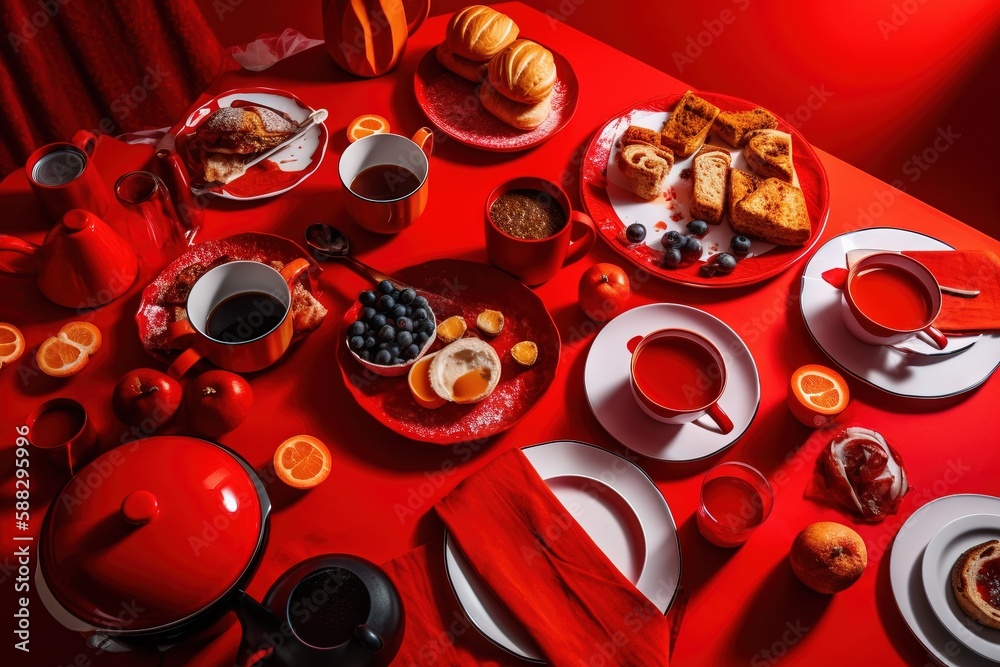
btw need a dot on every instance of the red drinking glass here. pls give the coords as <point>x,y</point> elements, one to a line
<point>735,499</point>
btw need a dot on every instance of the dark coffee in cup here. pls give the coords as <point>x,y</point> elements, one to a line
<point>59,167</point>
<point>245,317</point>
<point>327,606</point>
<point>528,214</point>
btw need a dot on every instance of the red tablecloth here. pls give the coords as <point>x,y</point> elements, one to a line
<point>745,606</point>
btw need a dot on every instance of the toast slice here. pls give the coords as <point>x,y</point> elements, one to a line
<point>964,575</point>
<point>741,183</point>
<point>646,168</point>
<point>640,135</point>
<point>688,124</point>
<point>709,172</point>
<point>769,153</point>
<point>735,126</point>
<point>775,212</point>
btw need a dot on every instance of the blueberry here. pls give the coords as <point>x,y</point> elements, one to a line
<point>396,361</point>
<point>636,232</point>
<point>672,239</point>
<point>673,258</point>
<point>420,338</point>
<point>425,326</point>
<point>419,314</point>
<point>394,294</point>
<point>377,321</point>
<point>370,342</point>
<point>740,245</point>
<point>412,352</point>
<point>698,228</point>
<point>398,311</point>
<point>356,343</point>
<point>382,346</point>
<point>367,313</point>
<point>394,350</point>
<point>724,263</point>
<point>383,358</point>
<point>385,287</point>
<point>365,354</point>
<point>404,324</point>
<point>419,302</point>
<point>708,270</point>
<point>692,249</point>
<point>387,333</point>
<point>386,303</point>
<point>357,328</point>
<point>404,338</point>
<point>407,295</point>
<point>367,298</point>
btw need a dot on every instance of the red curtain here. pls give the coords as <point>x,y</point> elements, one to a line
<point>109,66</point>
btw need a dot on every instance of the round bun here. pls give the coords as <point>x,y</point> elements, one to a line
<point>524,71</point>
<point>828,556</point>
<point>479,33</point>
<point>465,357</point>
<point>515,114</point>
<point>963,583</point>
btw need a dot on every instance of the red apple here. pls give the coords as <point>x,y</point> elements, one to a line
<point>604,292</point>
<point>217,402</point>
<point>146,398</point>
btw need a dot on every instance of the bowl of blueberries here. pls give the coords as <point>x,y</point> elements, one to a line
<point>395,326</point>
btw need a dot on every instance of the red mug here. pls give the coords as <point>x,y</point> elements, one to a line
<point>890,298</point>
<point>678,376</point>
<point>60,432</point>
<point>64,177</point>
<point>238,317</point>
<point>536,260</point>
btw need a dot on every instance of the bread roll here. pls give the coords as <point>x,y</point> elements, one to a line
<point>479,33</point>
<point>515,114</point>
<point>467,69</point>
<point>243,130</point>
<point>524,71</point>
<point>451,368</point>
<point>964,578</point>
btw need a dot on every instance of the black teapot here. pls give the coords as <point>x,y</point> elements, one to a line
<point>331,610</point>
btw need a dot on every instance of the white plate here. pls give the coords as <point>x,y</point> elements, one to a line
<point>906,576</point>
<point>889,369</point>
<point>942,552</point>
<point>606,380</point>
<point>621,509</point>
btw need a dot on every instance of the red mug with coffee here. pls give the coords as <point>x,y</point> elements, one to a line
<point>532,231</point>
<point>890,298</point>
<point>64,177</point>
<point>678,376</point>
<point>60,432</point>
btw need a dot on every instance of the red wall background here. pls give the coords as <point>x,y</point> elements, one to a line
<point>907,90</point>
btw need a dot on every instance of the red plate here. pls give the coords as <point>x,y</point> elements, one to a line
<point>456,287</point>
<point>594,193</point>
<point>301,158</point>
<point>155,313</point>
<point>452,105</point>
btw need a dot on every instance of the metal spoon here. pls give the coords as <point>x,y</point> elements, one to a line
<point>329,244</point>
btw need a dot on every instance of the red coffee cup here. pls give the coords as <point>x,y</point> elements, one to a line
<point>60,432</point>
<point>253,304</point>
<point>64,178</point>
<point>678,376</point>
<point>535,261</point>
<point>890,298</point>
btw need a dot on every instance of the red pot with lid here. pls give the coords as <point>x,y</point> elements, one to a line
<point>152,541</point>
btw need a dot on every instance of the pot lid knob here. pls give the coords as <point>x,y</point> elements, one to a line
<point>139,507</point>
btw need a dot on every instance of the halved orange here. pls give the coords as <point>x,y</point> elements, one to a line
<point>452,329</point>
<point>11,343</point>
<point>525,353</point>
<point>817,394</point>
<point>61,357</point>
<point>84,334</point>
<point>364,125</point>
<point>419,379</point>
<point>302,461</point>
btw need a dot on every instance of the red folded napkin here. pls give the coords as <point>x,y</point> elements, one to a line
<point>548,572</point>
<point>961,269</point>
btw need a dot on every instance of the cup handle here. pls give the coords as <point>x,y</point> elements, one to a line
<point>585,233</point>
<point>85,141</point>
<point>21,247</point>
<point>184,362</point>
<point>293,270</point>
<point>720,418</point>
<point>424,137</point>
<point>369,638</point>
<point>939,339</point>
<point>257,657</point>
<point>181,334</point>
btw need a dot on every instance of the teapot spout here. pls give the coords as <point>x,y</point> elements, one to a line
<point>25,261</point>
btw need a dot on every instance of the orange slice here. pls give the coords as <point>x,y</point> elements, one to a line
<point>302,462</point>
<point>817,394</point>
<point>61,357</point>
<point>452,329</point>
<point>11,343</point>
<point>490,322</point>
<point>84,334</point>
<point>525,353</point>
<point>362,126</point>
<point>419,379</point>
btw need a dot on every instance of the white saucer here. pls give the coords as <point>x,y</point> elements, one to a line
<point>906,575</point>
<point>621,509</point>
<point>941,553</point>
<point>927,374</point>
<point>606,380</point>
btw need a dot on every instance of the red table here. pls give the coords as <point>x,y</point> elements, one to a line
<point>745,604</point>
